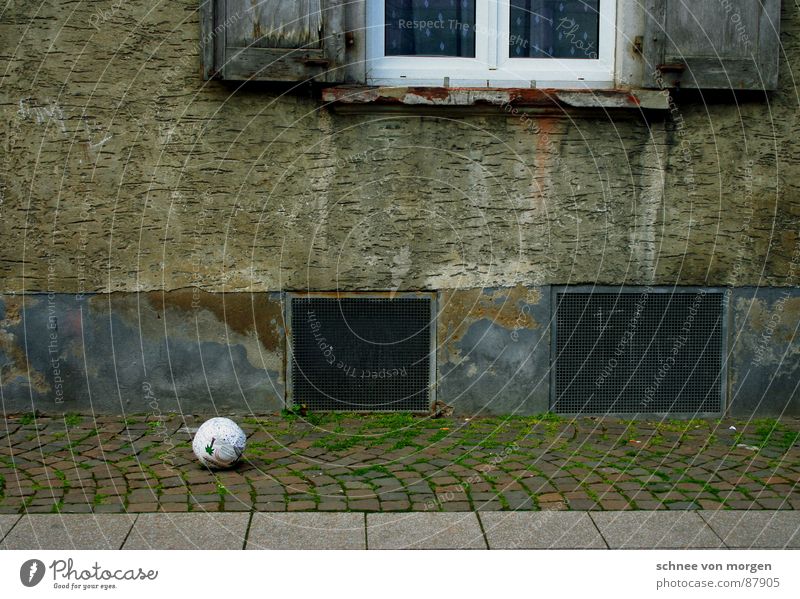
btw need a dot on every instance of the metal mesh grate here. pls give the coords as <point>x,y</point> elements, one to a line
<point>361,353</point>
<point>638,352</point>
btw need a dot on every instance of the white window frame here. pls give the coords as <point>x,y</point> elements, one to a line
<point>491,66</point>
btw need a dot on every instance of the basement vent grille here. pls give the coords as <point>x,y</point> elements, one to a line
<point>362,353</point>
<point>654,351</point>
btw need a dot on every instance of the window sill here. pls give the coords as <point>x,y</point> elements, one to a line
<point>357,98</point>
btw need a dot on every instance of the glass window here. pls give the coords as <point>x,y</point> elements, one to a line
<point>554,29</point>
<point>430,28</point>
<point>564,44</point>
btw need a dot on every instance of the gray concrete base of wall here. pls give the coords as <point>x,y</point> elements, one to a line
<point>195,352</point>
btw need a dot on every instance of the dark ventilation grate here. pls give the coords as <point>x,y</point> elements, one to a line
<point>361,353</point>
<point>638,352</point>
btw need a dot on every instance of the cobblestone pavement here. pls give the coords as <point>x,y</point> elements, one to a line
<point>398,462</point>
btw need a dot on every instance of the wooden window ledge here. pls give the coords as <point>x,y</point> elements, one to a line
<point>354,98</point>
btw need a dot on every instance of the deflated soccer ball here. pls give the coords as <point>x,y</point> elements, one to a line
<point>219,443</point>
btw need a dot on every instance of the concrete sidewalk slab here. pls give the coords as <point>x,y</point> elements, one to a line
<point>311,530</point>
<point>7,522</point>
<point>655,530</point>
<point>423,530</point>
<point>409,530</point>
<point>69,531</point>
<point>541,530</point>
<point>748,529</point>
<point>189,531</point>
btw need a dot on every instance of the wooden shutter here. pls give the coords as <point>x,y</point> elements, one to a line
<point>273,40</point>
<point>712,44</point>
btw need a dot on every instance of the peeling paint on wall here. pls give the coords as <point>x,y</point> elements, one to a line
<point>99,353</point>
<point>504,307</point>
<point>249,315</point>
<point>15,368</point>
<point>764,361</point>
<point>494,350</point>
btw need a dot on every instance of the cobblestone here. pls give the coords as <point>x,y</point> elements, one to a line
<point>398,463</point>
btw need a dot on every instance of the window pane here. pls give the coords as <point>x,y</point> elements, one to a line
<point>430,28</point>
<point>554,29</point>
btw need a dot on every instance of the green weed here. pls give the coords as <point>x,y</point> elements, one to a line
<point>771,432</point>
<point>71,420</point>
<point>368,469</point>
<point>438,436</point>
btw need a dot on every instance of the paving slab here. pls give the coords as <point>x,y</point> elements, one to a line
<point>420,530</point>
<point>188,531</point>
<point>541,530</point>
<point>749,529</point>
<point>308,530</point>
<point>655,530</point>
<point>69,531</point>
<point>7,522</point>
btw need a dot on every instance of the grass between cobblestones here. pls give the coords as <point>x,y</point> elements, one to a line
<point>400,462</point>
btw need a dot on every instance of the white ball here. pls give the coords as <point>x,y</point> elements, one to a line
<point>219,443</point>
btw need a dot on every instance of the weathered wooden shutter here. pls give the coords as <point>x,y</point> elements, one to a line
<point>273,40</point>
<point>712,44</point>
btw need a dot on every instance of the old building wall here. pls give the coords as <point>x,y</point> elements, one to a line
<point>123,171</point>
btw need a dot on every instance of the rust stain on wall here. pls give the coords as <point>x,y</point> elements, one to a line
<point>247,314</point>
<point>257,30</point>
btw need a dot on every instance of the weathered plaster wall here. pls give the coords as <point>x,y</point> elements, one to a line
<point>191,351</point>
<point>764,366</point>
<point>184,351</point>
<point>494,350</point>
<point>122,170</point>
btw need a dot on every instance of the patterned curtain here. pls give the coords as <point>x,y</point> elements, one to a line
<point>430,28</point>
<point>554,29</point>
